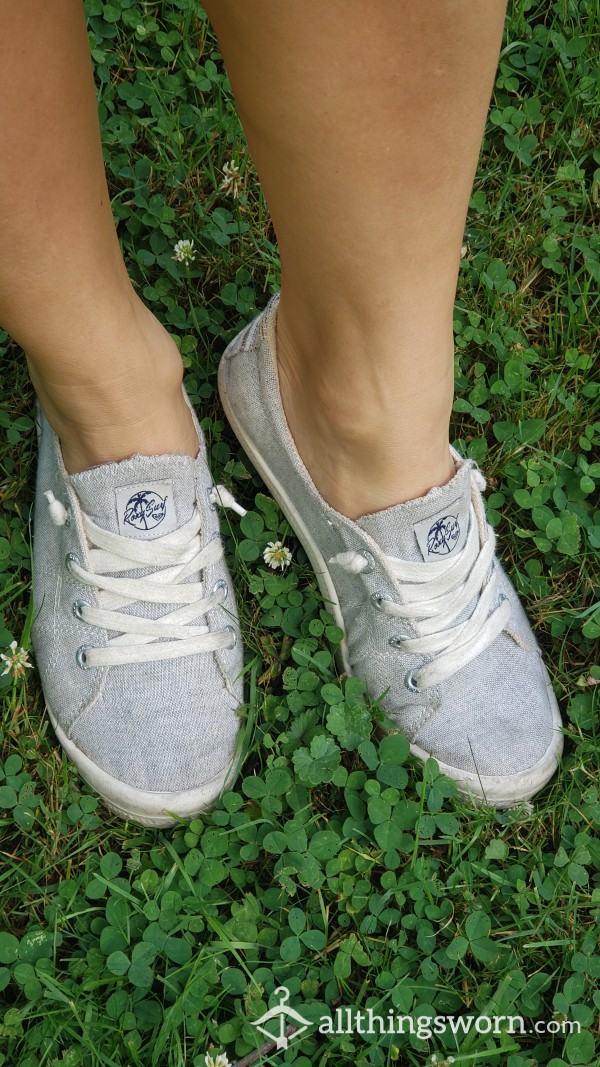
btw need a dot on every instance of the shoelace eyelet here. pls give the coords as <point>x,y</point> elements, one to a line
<point>376,599</point>
<point>221,584</point>
<point>370,562</point>
<point>78,607</point>
<point>398,640</point>
<point>230,630</point>
<point>410,682</point>
<point>81,658</point>
<point>71,558</point>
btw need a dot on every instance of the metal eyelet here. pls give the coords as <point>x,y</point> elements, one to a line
<point>71,558</point>
<point>376,599</point>
<point>221,584</point>
<point>78,608</point>
<point>81,658</point>
<point>230,630</point>
<point>370,562</point>
<point>410,682</point>
<point>398,640</point>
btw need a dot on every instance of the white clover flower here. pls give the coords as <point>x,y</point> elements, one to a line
<point>17,663</point>
<point>220,1060</point>
<point>232,182</point>
<point>184,251</point>
<point>277,555</point>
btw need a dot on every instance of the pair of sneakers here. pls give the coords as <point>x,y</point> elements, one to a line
<point>137,637</point>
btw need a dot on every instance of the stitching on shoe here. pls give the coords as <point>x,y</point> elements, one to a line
<point>91,704</point>
<point>429,712</point>
<point>424,718</point>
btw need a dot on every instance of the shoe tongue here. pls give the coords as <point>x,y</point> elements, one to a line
<point>143,497</point>
<point>431,528</point>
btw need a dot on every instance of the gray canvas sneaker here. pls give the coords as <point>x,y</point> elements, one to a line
<point>431,621</point>
<point>135,629</point>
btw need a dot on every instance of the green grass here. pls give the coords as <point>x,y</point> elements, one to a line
<point>337,866</point>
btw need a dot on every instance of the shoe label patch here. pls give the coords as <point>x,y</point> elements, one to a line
<point>146,510</point>
<point>444,534</point>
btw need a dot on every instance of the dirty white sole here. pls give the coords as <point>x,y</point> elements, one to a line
<point>503,791</point>
<point>147,808</point>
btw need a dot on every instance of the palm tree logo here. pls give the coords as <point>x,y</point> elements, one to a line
<point>145,510</point>
<point>443,536</point>
<point>281,1012</point>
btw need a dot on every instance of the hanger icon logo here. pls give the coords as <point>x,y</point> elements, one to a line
<point>296,1023</point>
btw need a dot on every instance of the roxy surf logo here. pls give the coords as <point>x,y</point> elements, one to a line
<point>145,510</point>
<point>443,536</point>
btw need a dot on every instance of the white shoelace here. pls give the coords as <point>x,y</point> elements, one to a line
<point>180,556</point>
<point>433,597</point>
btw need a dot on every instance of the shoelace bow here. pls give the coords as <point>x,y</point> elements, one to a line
<point>434,595</point>
<point>176,556</point>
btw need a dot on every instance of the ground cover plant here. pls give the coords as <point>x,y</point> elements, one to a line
<point>336,866</point>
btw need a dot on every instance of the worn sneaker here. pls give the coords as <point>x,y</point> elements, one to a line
<point>136,633</point>
<point>431,621</point>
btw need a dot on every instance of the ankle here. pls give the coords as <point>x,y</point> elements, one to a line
<point>367,444</point>
<point>362,475</point>
<point>135,405</point>
<point>165,427</point>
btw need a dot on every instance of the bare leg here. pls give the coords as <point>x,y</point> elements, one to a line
<point>107,373</point>
<point>365,122</point>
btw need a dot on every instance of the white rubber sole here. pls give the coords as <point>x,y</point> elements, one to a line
<point>140,805</point>
<point>502,791</point>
